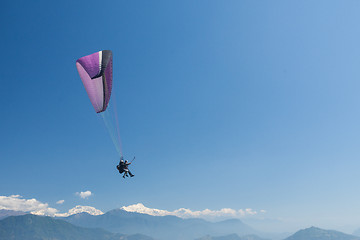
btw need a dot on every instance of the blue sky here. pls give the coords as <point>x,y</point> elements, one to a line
<point>226,104</point>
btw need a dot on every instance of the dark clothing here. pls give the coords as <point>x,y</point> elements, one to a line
<point>123,168</point>
<point>120,168</point>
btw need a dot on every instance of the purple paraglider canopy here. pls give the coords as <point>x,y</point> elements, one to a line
<point>95,71</point>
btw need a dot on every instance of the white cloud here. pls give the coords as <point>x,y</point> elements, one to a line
<point>249,211</point>
<point>187,213</point>
<point>18,203</point>
<point>85,194</point>
<point>60,202</point>
<point>16,196</point>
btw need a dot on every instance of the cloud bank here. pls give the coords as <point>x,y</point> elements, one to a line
<point>187,213</point>
<point>33,206</point>
<point>60,202</point>
<point>17,203</point>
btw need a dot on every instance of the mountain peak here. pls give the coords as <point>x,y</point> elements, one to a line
<point>140,208</point>
<point>315,233</point>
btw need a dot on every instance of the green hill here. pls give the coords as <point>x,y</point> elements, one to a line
<point>32,227</point>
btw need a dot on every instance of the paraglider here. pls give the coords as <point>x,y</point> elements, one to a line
<point>96,73</point>
<point>123,167</point>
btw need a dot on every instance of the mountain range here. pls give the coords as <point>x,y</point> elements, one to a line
<point>311,233</point>
<point>123,225</point>
<point>160,227</point>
